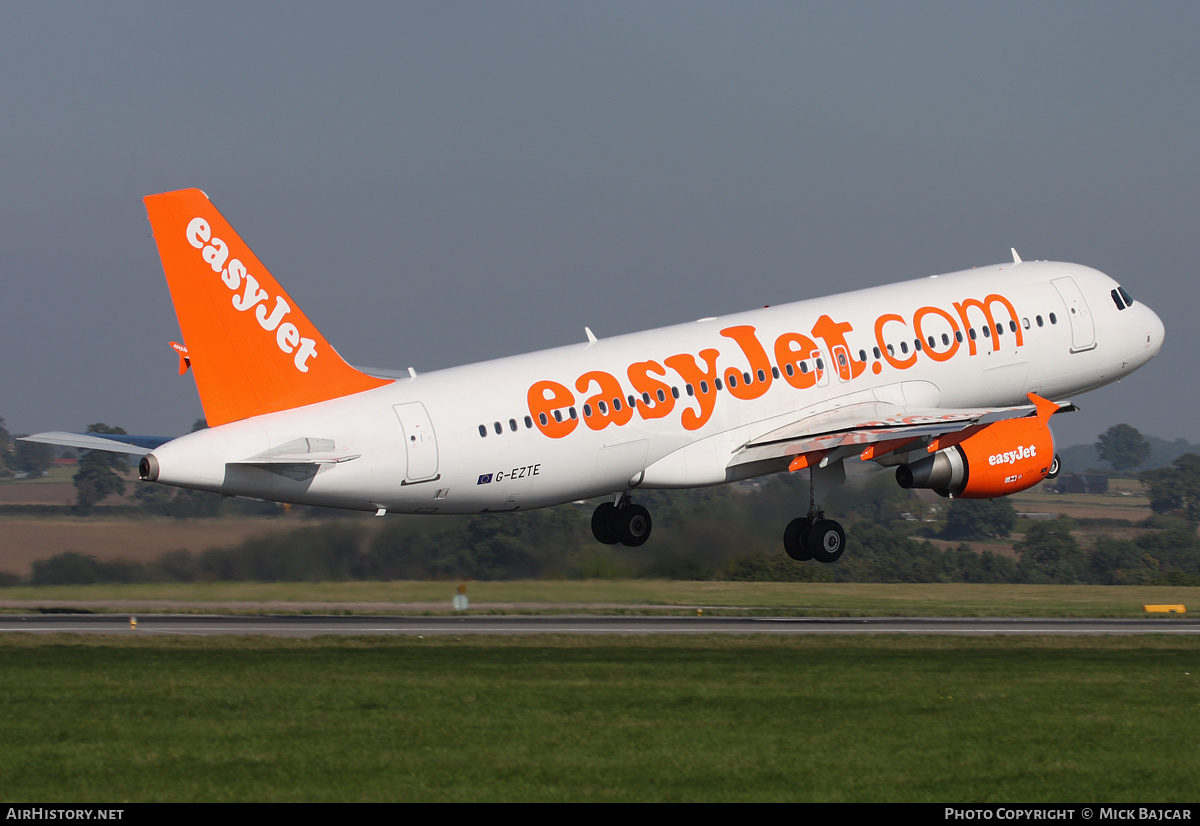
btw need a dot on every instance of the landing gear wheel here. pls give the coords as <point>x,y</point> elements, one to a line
<point>826,540</point>
<point>795,539</point>
<point>1055,467</point>
<point>633,525</point>
<point>604,524</point>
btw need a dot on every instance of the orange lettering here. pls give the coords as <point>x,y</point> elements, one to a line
<point>610,389</point>
<point>883,348</point>
<point>542,408</point>
<point>661,401</point>
<point>930,351</point>
<point>788,357</point>
<point>834,335</point>
<point>706,399</point>
<point>986,307</point>
<point>759,363</point>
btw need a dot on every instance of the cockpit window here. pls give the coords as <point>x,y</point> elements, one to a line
<point>1117,300</point>
<point>1125,295</point>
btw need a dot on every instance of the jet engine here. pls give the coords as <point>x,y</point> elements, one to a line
<point>1005,457</point>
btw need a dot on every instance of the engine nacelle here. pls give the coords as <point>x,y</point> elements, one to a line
<point>1005,457</point>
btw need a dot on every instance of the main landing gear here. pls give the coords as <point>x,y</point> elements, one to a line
<point>621,522</point>
<point>814,536</point>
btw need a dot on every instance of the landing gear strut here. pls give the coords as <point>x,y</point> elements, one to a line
<point>621,522</point>
<point>814,536</point>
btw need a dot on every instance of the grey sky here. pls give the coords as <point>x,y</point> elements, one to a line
<point>439,183</point>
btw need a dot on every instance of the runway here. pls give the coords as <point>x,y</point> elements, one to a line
<point>315,626</point>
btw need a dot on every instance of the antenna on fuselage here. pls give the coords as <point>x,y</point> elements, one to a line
<point>1016,258</point>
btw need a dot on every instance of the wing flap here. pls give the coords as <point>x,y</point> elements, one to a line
<point>834,435</point>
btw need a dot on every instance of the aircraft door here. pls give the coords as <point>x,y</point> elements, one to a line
<point>419,442</point>
<point>1083,329</point>
<point>841,362</point>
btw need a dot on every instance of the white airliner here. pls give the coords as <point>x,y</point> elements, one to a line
<point>950,379</point>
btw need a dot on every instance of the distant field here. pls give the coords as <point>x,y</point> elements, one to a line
<point>658,596</point>
<point>916,719</point>
<point>1126,499</point>
<point>24,541</point>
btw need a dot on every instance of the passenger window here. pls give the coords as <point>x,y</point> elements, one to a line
<point>775,372</point>
<point>878,355</point>
<point>762,376</point>
<point>1053,320</point>
<point>617,405</point>
<point>483,431</point>
<point>675,392</point>
<point>704,387</point>
<point>732,379</point>
<point>499,429</point>
<point>572,412</point>
<point>789,369</point>
<point>529,421</point>
<point>512,425</point>
<point>587,411</point>
<point>1038,319</point>
<point>958,336</point>
<point>690,390</point>
<point>603,408</point>
<point>904,347</point>
<point>558,415</point>
<point>541,418</point>
<point>662,397</point>
<point>1025,323</point>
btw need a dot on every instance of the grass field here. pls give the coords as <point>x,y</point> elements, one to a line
<point>600,719</point>
<point>640,596</point>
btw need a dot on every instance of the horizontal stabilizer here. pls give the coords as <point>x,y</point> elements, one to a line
<point>299,459</point>
<point>304,451</point>
<point>111,442</point>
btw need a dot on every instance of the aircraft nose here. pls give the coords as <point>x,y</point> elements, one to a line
<point>1155,331</point>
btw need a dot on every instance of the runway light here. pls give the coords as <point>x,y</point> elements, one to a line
<point>133,623</point>
<point>1165,609</point>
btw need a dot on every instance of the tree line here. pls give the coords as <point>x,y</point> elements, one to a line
<point>725,532</point>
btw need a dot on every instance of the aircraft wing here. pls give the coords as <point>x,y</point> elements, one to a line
<point>111,442</point>
<point>871,431</point>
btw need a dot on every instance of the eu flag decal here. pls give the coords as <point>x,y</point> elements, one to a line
<point>484,479</point>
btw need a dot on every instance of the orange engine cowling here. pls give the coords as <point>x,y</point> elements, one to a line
<point>1005,457</point>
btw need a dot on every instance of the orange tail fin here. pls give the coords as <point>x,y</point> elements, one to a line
<point>252,350</point>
